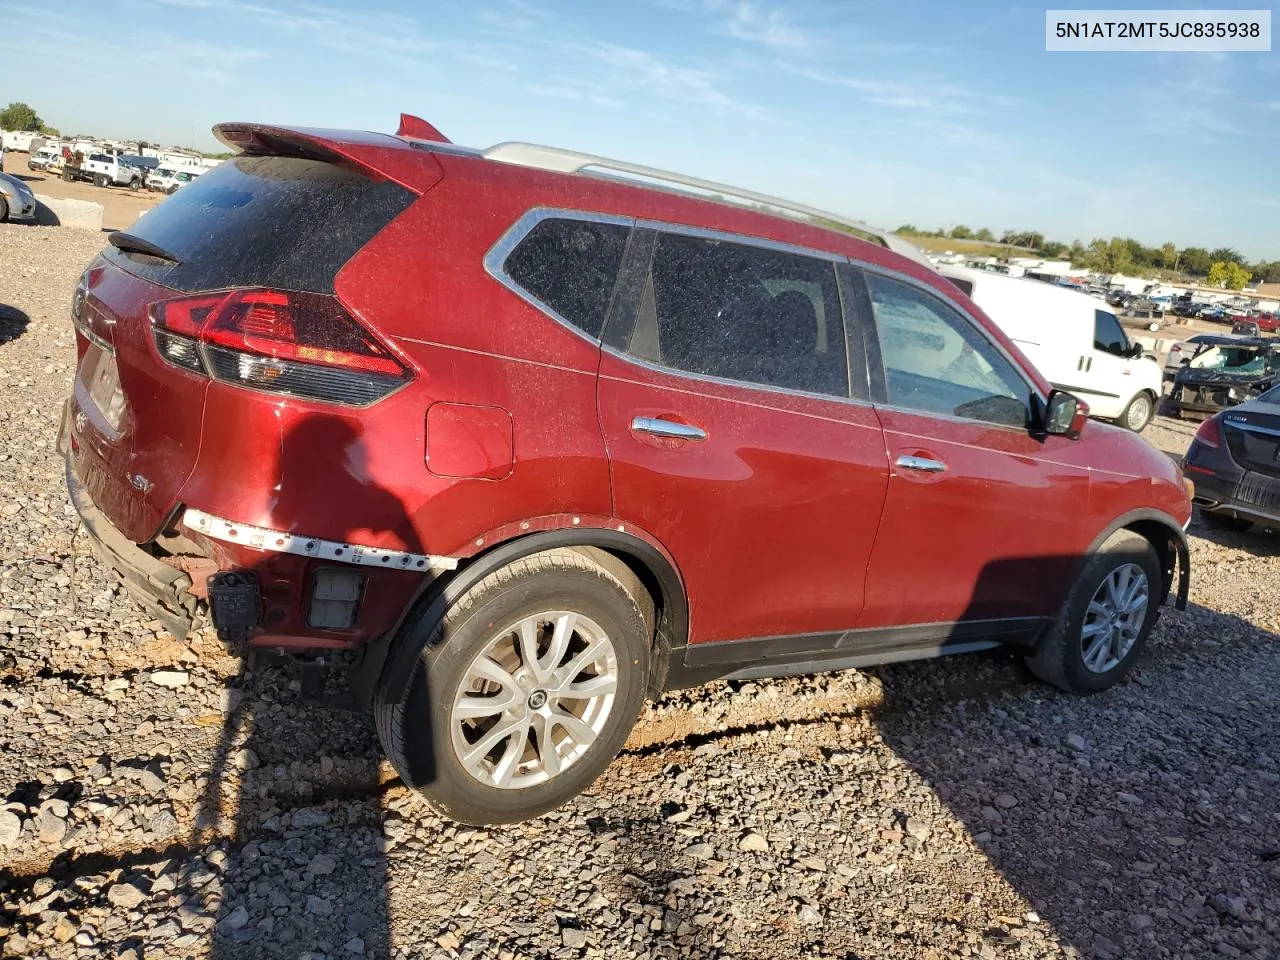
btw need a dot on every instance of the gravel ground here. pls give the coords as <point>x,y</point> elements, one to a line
<point>159,801</point>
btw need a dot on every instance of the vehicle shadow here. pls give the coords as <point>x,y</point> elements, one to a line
<point>293,793</point>
<point>13,323</point>
<point>1258,540</point>
<point>1133,822</point>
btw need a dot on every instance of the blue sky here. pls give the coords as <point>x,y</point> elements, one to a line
<point>922,111</point>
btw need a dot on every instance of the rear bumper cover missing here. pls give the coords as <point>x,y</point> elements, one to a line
<point>161,590</point>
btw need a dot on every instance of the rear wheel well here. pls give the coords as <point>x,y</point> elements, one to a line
<point>640,567</point>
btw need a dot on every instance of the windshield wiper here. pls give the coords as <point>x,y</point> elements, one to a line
<point>128,243</point>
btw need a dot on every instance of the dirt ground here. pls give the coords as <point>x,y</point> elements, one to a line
<point>121,206</point>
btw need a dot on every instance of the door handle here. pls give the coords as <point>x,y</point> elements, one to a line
<point>657,427</point>
<point>923,464</point>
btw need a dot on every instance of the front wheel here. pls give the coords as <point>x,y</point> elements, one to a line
<point>1105,620</point>
<point>1138,413</point>
<point>524,692</point>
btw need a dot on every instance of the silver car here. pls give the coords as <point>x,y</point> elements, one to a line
<point>17,202</point>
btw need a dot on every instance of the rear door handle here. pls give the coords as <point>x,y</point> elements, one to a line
<point>658,427</point>
<point>923,464</point>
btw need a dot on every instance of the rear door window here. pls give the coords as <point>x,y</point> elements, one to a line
<point>264,221</point>
<point>742,312</point>
<point>568,267</point>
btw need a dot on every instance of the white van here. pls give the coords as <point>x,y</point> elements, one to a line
<point>1074,340</point>
<point>167,179</point>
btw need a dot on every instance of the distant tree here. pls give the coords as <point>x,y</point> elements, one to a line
<point>1266,272</point>
<point>1110,256</point>
<point>49,131</point>
<point>1169,257</point>
<point>984,234</point>
<point>1196,261</point>
<point>1228,274</point>
<point>1052,249</point>
<point>1226,255</point>
<point>961,232</point>
<point>1023,238</point>
<point>1077,253</point>
<point>19,116</point>
<point>907,230</point>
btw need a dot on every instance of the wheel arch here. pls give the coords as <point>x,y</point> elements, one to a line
<point>655,571</point>
<point>1169,541</point>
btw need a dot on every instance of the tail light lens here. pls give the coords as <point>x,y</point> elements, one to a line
<point>1210,433</point>
<point>301,344</point>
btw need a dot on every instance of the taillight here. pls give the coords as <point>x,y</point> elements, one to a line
<point>1210,433</point>
<point>301,344</point>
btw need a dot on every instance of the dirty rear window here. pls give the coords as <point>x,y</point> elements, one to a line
<point>279,222</point>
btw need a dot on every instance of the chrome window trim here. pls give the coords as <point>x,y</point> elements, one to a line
<point>777,246</point>
<point>726,382</point>
<point>930,291</point>
<point>495,260</point>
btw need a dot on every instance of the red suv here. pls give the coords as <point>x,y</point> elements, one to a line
<point>518,442</point>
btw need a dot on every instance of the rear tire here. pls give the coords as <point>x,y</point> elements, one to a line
<point>1138,413</point>
<point>100,179</point>
<point>4,210</point>
<point>1224,521</point>
<point>473,680</point>
<point>1100,610</point>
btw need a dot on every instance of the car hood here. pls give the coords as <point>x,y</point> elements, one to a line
<point>12,185</point>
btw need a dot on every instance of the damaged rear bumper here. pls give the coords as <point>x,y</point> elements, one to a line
<point>162,590</point>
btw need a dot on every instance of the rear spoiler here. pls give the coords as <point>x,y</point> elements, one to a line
<point>382,155</point>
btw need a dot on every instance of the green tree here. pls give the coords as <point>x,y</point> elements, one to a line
<point>19,116</point>
<point>1052,249</point>
<point>984,234</point>
<point>907,230</point>
<point>1266,272</point>
<point>1226,255</point>
<point>961,232</point>
<point>1077,253</point>
<point>49,131</point>
<point>1196,261</point>
<point>1228,274</point>
<point>1110,256</point>
<point>1169,257</point>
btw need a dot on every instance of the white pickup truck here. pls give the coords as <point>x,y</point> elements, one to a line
<point>105,168</point>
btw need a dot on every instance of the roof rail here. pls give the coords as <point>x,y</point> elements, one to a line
<point>569,161</point>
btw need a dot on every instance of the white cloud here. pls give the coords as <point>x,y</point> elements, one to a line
<point>748,20</point>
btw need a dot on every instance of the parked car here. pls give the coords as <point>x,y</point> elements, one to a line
<point>1182,351</point>
<point>1246,328</point>
<point>1265,322</point>
<point>17,202</point>
<point>106,169</point>
<point>41,159</point>
<point>530,481</point>
<point>1078,344</point>
<point>170,179</point>
<point>1215,313</point>
<point>1234,462</point>
<point>1223,372</point>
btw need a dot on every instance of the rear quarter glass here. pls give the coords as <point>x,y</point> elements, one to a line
<point>254,221</point>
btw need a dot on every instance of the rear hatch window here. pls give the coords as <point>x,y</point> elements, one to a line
<point>254,221</point>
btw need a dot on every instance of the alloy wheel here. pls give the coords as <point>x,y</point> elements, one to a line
<point>1139,413</point>
<point>1114,618</point>
<point>534,700</point>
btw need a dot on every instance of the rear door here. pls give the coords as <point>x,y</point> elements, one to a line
<point>735,438</point>
<point>980,522</point>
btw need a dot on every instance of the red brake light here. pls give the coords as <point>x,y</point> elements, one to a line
<point>1210,433</point>
<point>305,344</point>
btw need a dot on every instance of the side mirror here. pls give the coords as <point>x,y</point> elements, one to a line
<point>1135,352</point>
<point>1065,415</point>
